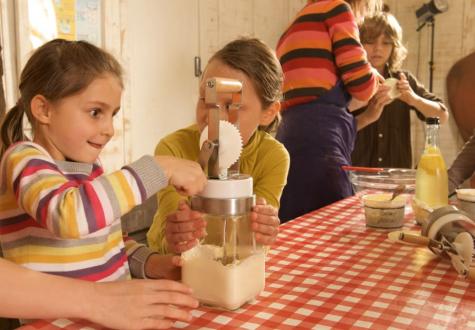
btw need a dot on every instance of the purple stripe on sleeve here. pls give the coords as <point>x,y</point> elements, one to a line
<point>143,193</point>
<point>88,210</point>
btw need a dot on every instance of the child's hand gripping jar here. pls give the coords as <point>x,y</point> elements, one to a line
<point>227,268</point>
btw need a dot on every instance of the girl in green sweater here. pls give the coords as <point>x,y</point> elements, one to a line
<point>176,228</point>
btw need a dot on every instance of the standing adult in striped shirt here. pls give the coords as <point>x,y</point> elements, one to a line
<point>325,67</point>
<point>59,213</point>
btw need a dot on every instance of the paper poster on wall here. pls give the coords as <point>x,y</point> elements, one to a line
<point>65,19</point>
<point>88,21</point>
<point>79,20</point>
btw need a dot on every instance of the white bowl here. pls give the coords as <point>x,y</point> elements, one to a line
<point>381,212</point>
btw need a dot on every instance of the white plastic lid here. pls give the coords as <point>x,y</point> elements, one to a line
<point>237,187</point>
<point>466,194</point>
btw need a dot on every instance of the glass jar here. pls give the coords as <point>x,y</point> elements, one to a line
<point>383,212</point>
<point>227,268</point>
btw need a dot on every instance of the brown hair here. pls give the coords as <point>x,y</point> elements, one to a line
<point>57,69</point>
<point>386,23</point>
<point>259,63</point>
<point>362,8</point>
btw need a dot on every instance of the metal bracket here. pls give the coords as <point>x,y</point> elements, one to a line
<point>205,153</point>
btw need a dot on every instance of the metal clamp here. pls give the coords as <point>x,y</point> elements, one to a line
<point>223,206</point>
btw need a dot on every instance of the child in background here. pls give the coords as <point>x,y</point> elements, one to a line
<point>176,228</point>
<point>324,68</point>
<point>59,213</point>
<point>384,136</point>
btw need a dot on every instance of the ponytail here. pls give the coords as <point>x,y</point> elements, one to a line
<point>272,127</point>
<point>12,127</point>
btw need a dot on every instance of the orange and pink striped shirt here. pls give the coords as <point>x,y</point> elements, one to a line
<point>320,48</point>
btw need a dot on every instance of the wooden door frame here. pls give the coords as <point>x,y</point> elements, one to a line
<point>9,41</point>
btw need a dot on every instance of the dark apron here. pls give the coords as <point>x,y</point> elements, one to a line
<point>320,137</point>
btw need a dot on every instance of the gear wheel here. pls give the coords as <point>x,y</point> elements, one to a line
<point>230,143</point>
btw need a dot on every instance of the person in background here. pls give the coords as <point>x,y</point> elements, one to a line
<point>138,304</point>
<point>176,228</point>
<point>324,67</point>
<point>59,213</point>
<point>384,127</point>
<point>463,166</point>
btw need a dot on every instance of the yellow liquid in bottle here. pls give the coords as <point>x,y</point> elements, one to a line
<point>431,179</point>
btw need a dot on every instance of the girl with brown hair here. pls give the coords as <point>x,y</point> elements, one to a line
<point>59,213</point>
<point>176,228</point>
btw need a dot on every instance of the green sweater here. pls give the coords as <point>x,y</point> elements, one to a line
<point>263,158</point>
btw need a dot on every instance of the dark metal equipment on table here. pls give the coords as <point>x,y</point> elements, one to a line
<point>449,232</point>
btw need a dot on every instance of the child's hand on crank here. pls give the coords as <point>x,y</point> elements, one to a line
<point>185,175</point>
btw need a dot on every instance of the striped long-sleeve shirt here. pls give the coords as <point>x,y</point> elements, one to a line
<point>63,217</point>
<point>320,48</point>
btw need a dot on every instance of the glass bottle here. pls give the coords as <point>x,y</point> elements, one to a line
<point>431,174</point>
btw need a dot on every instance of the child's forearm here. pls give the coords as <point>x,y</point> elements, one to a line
<point>356,104</point>
<point>463,166</point>
<point>430,109</point>
<point>363,120</point>
<point>124,304</point>
<point>25,293</point>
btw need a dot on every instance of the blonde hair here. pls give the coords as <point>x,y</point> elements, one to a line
<point>387,24</point>
<point>362,8</point>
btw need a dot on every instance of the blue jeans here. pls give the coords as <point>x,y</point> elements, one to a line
<point>319,136</point>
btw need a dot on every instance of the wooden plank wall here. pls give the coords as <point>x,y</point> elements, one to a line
<point>223,20</point>
<point>454,39</point>
<point>114,156</point>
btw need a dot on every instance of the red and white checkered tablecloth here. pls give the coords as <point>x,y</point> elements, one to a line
<point>327,270</point>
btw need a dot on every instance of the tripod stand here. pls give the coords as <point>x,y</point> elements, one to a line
<point>431,23</point>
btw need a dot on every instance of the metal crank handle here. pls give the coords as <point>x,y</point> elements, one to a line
<point>205,153</point>
<point>224,85</point>
<point>458,264</point>
<point>414,239</point>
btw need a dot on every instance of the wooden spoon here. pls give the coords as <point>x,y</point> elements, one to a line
<point>397,191</point>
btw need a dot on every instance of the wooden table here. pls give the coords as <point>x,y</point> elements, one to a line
<point>327,270</point>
